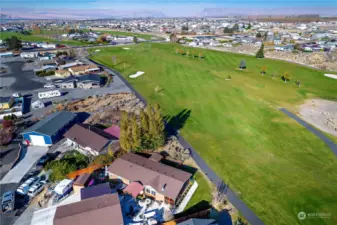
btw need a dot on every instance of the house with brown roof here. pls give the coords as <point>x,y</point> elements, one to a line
<point>62,73</point>
<point>85,69</point>
<point>88,139</point>
<point>101,210</point>
<point>159,181</point>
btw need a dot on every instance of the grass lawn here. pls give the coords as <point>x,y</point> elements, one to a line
<point>40,38</point>
<point>203,192</point>
<point>276,166</point>
<point>124,33</point>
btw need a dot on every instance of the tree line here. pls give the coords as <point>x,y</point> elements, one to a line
<point>146,131</point>
<point>188,53</point>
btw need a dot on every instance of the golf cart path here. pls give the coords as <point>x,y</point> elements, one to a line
<point>246,212</point>
<point>316,132</point>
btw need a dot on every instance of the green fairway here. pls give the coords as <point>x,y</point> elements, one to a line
<point>40,38</point>
<point>277,167</point>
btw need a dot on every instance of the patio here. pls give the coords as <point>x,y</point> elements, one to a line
<point>145,211</point>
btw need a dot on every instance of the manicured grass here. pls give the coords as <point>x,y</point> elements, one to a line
<point>203,192</point>
<point>40,38</point>
<point>276,165</point>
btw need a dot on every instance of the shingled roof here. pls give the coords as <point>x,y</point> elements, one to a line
<point>88,136</point>
<point>164,179</point>
<point>102,210</point>
<point>52,123</point>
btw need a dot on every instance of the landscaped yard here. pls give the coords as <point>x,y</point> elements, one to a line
<point>276,166</point>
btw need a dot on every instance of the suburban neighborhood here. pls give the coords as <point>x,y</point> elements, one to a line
<point>137,118</point>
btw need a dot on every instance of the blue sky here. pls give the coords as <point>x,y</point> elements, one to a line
<point>173,7</point>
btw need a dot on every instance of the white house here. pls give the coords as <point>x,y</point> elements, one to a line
<point>27,55</point>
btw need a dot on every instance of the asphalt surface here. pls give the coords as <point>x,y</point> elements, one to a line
<point>316,132</point>
<point>7,157</point>
<point>246,212</point>
<point>18,80</point>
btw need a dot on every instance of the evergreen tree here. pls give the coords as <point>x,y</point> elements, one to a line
<point>124,131</point>
<point>249,26</point>
<point>135,138</point>
<point>242,64</point>
<point>159,136</point>
<point>260,53</point>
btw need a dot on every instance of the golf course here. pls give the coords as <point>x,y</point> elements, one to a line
<point>276,166</point>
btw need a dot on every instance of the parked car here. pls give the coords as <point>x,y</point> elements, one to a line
<point>31,174</point>
<point>36,189</point>
<point>17,95</point>
<point>23,189</point>
<point>49,86</point>
<point>43,160</point>
<point>8,201</point>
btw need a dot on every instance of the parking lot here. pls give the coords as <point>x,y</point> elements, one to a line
<point>17,80</point>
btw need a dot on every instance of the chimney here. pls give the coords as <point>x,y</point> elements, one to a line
<point>163,188</point>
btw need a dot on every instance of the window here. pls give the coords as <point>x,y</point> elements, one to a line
<point>147,191</point>
<point>153,192</point>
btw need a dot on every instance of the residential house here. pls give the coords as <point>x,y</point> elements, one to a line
<point>89,81</point>
<point>95,191</point>
<point>6,102</point>
<point>80,70</point>
<point>159,181</point>
<point>62,73</point>
<point>101,210</point>
<point>28,55</point>
<point>81,182</point>
<point>88,139</point>
<point>285,48</point>
<point>70,64</point>
<point>50,129</point>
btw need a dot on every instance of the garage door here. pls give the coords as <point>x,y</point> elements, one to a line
<point>37,140</point>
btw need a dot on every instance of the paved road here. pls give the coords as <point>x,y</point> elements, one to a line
<point>232,197</point>
<point>316,132</point>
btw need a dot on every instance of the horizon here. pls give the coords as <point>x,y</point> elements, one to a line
<point>95,9</point>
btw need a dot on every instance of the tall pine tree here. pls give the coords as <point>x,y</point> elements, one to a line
<point>123,140</point>
<point>135,138</point>
<point>260,53</point>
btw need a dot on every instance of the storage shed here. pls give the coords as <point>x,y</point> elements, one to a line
<point>50,129</point>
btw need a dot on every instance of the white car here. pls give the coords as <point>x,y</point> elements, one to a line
<point>49,86</point>
<point>17,95</point>
<point>36,189</point>
<point>23,189</point>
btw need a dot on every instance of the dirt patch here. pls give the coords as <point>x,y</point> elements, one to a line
<point>321,114</point>
<point>121,102</point>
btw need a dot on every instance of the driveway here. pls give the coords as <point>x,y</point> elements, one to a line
<point>32,154</point>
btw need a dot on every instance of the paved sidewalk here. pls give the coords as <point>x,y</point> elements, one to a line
<point>316,132</point>
<point>232,197</point>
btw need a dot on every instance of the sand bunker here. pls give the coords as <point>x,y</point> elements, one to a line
<point>321,114</point>
<point>139,73</point>
<point>331,76</point>
<point>126,48</point>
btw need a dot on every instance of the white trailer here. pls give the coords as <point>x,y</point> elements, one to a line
<point>49,94</point>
